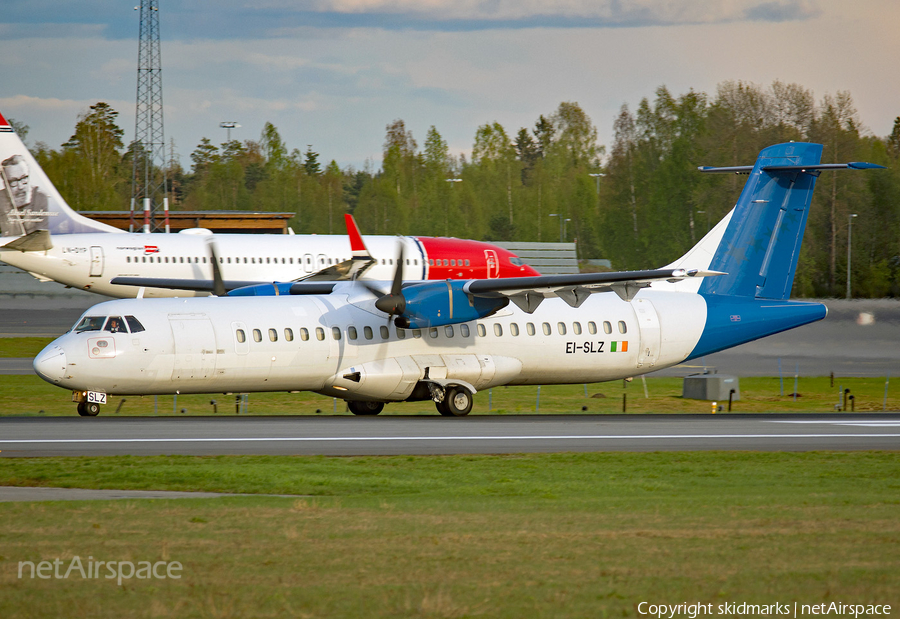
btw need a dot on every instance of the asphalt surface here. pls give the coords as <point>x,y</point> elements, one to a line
<point>857,338</point>
<point>29,437</point>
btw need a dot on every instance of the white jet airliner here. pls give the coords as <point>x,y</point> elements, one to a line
<point>444,341</point>
<point>40,234</point>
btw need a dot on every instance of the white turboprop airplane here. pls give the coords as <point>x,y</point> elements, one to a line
<point>449,339</point>
<point>40,234</point>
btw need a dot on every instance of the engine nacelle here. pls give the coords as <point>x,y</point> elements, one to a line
<point>434,304</point>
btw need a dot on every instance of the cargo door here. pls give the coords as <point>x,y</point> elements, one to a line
<point>648,322</point>
<point>195,346</point>
<point>96,261</point>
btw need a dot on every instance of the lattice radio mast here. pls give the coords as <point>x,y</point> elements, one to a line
<point>149,186</point>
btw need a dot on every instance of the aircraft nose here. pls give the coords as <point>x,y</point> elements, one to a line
<point>50,364</point>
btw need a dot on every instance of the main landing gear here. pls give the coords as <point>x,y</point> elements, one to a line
<point>358,407</point>
<point>456,402</point>
<point>88,409</point>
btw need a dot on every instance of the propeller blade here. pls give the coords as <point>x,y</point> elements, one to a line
<point>218,282</point>
<point>394,304</point>
<point>398,273</point>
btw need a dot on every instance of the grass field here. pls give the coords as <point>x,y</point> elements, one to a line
<point>29,395</point>
<point>563,535</point>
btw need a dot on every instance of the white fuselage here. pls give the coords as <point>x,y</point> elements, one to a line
<point>292,343</point>
<point>90,261</point>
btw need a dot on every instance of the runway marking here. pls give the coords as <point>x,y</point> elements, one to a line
<point>561,437</point>
<point>862,423</point>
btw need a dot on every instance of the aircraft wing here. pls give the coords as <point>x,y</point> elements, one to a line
<point>197,285</point>
<point>528,292</point>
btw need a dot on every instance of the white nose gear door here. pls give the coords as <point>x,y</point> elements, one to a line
<point>648,321</point>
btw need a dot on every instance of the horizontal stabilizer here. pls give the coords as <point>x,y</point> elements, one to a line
<point>38,240</point>
<point>746,169</point>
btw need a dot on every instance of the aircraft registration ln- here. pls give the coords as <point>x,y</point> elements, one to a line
<point>373,343</point>
<point>41,234</point>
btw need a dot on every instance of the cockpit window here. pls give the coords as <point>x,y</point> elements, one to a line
<point>516,261</point>
<point>90,323</point>
<point>115,324</point>
<point>134,324</point>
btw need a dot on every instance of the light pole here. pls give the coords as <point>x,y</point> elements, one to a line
<point>849,239</point>
<point>562,225</point>
<point>228,125</point>
<point>452,182</point>
<point>597,176</point>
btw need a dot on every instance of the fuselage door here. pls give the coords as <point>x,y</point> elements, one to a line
<point>96,261</point>
<point>308,263</point>
<point>648,322</point>
<point>493,263</point>
<point>195,346</point>
<point>241,335</point>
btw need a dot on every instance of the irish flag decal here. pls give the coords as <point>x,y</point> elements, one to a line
<point>618,346</point>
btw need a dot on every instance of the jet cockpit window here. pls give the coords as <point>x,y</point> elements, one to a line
<point>516,261</point>
<point>134,324</point>
<point>115,324</point>
<point>90,323</point>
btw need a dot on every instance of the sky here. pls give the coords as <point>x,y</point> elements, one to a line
<point>333,73</point>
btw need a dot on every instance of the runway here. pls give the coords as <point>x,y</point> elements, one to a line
<point>345,436</point>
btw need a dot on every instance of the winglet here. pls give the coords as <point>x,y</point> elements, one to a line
<point>356,243</point>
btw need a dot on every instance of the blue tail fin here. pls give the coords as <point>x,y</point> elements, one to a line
<point>761,244</point>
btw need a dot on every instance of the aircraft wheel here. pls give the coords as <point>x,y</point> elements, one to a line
<point>88,409</point>
<point>442,407</point>
<point>358,407</point>
<point>458,401</point>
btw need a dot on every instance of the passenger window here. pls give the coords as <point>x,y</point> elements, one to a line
<point>134,325</point>
<point>351,333</point>
<point>401,333</point>
<point>448,330</point>
<point>417,333</point>
<point>545,327</point>
<point>115,325</point>
<point>481,330</point>
<point>607,328</point>
<point>592,327</point>
<point>289,335</point>
<point>304,334</point>
<point>127,258</point>
<point>385,332</point>
<point>257,335</point>
<point>433,332</point>
<point>622,327</point>
<point>431,262</point>
<point>529,328</point>
<point>320,334</point>
<point>561,327</point>
<point>367,331</point>
<point>273,335</point>
<point>453,263</point>
<point>514,329</point>
<point>464,330</point>
<point>576,328</point>
<point>336,333</point>
<point>241,336</point>
<point>445,262</point>
<point>498,330</point>
<point>467,262</point>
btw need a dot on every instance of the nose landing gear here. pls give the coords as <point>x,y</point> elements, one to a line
<point>88,409</point>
